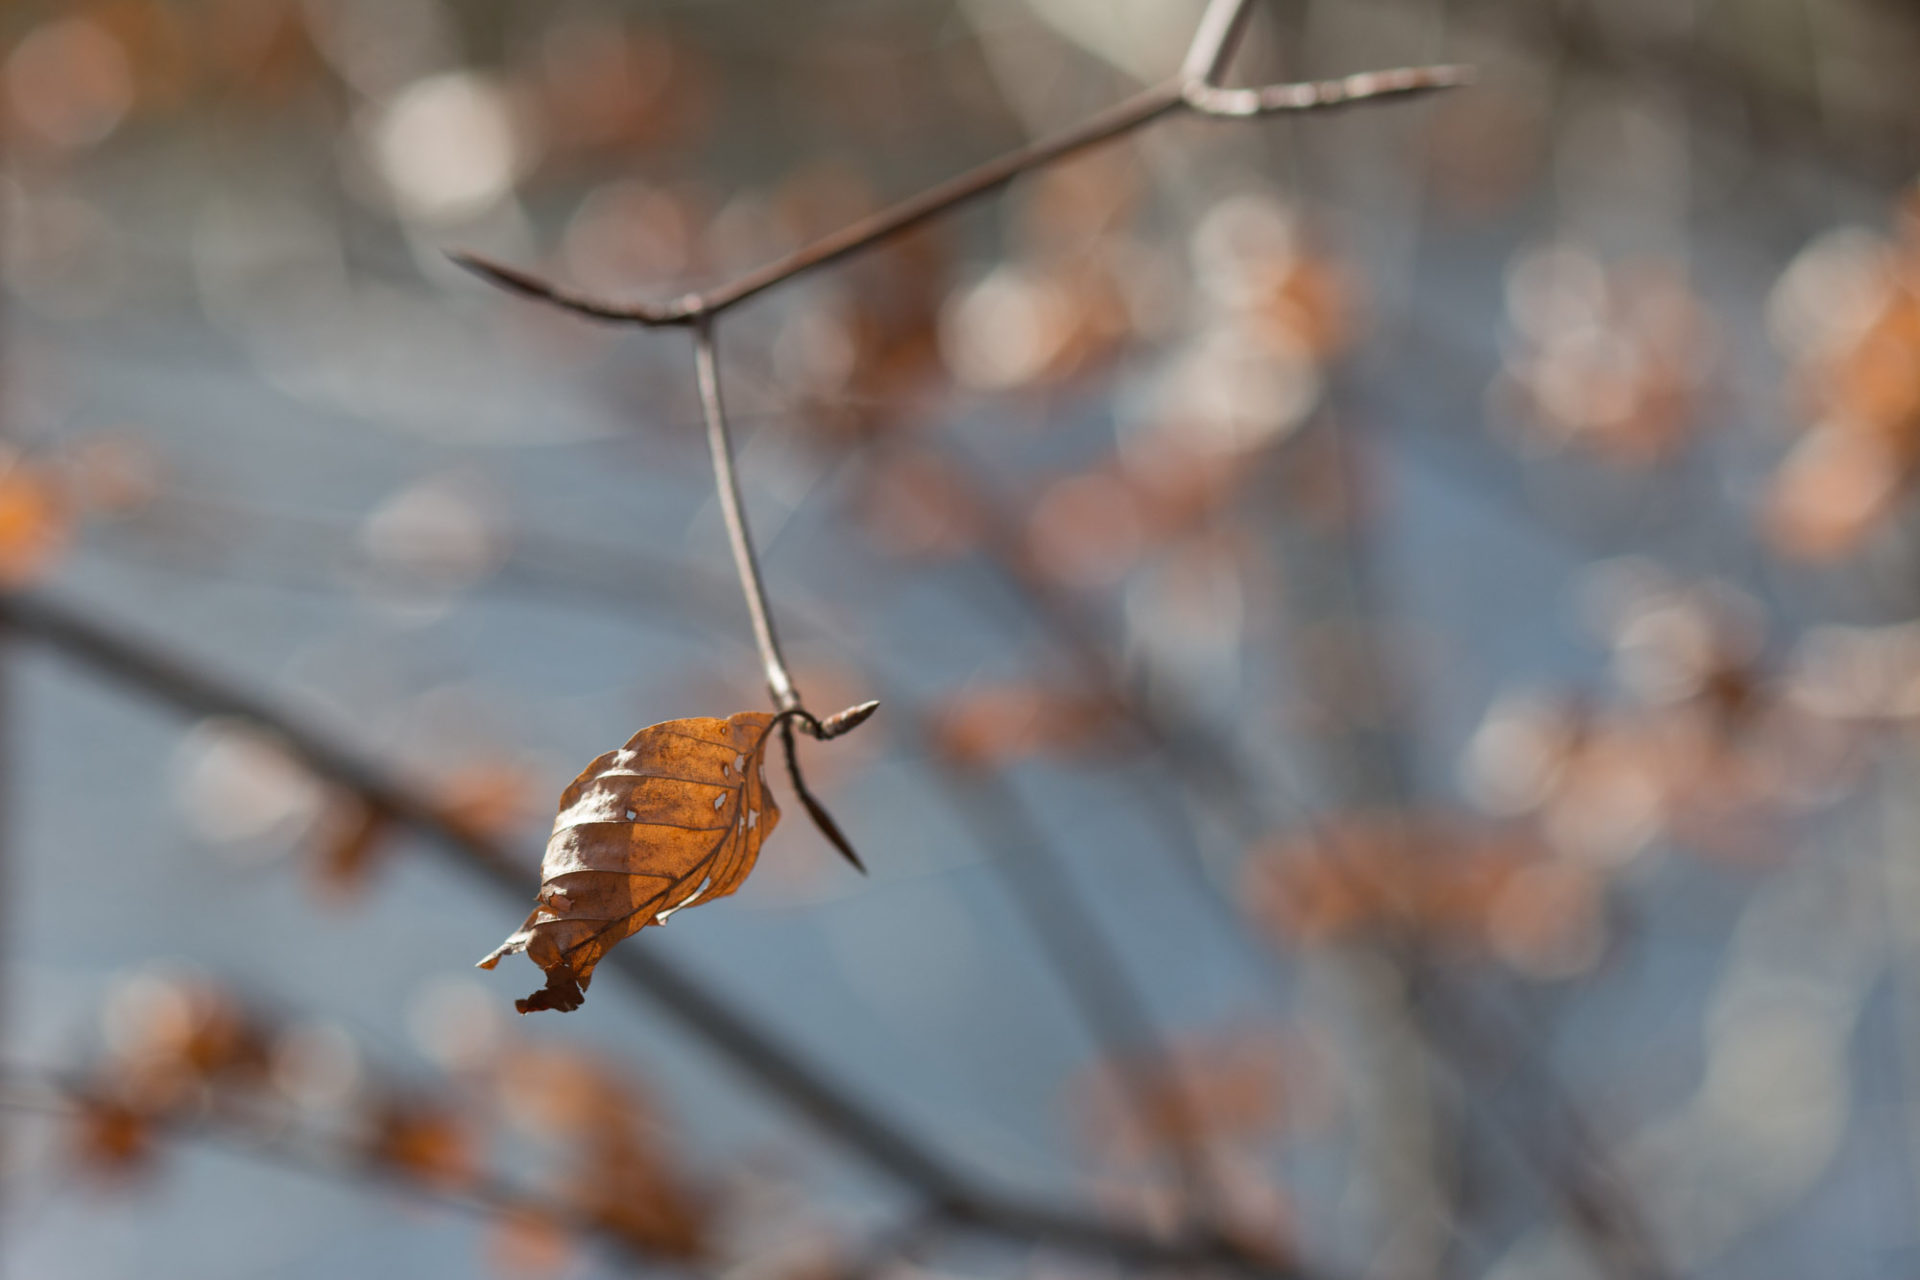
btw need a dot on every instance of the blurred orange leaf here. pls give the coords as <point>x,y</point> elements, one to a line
<point>628,1191</point>
<point>490,797</point>
<point>111,1140</point>
<point>620,1176</point>
<point>1430,872</point>
<point>995,724</point>
<point>176,1036</point>
<point>350,836</point>
<point>428,1143</point>
<point>674,818</point>
<point>1204,1090</point>
<point>34,523</point>
<point>529,1244</point>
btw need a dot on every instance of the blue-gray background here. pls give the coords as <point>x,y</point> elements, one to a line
<point>232,280</point>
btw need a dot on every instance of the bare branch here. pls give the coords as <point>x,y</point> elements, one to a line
<point>773,1066</point>
<point>1313,95</point>
<point>1114,122</point>
<point>514,280</point>
<point>191,688</point>
<point>1122,118</point>
<point>1215,41</point>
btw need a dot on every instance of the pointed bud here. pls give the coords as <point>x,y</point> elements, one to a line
<point>846,721</point>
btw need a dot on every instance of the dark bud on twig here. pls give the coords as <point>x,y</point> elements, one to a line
<point>845,721</point>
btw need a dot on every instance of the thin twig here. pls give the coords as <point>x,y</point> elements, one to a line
<point>1364,86</point>
<point>746,564</point>
<point>1215,41</point>
<point>1197,96</point>
<point>909,213</point>
<point>727,482</point>
<point>525,283</point>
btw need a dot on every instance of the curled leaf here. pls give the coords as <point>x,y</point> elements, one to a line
<point>674,818</point>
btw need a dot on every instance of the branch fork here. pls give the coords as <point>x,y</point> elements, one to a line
<point>1195,89</point>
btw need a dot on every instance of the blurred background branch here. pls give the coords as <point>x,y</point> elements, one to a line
<point>1395,628</point>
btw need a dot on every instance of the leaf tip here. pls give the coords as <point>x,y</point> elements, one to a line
<point>563,993</point>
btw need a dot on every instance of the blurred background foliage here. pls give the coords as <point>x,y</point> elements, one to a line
<point>1396,628</point>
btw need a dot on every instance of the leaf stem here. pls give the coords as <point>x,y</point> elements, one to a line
<point>727,483</point>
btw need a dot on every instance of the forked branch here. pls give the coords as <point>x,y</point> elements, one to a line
<point>1194,90</point>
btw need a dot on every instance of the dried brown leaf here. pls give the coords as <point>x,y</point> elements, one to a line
<point>674,818</point>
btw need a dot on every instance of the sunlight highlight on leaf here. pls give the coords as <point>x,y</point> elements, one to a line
<point>674,818</point>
